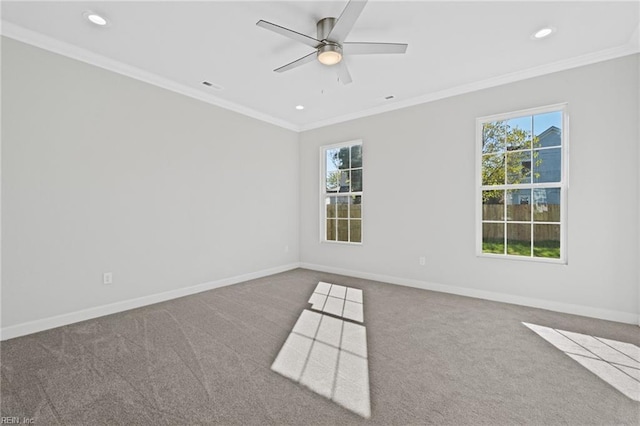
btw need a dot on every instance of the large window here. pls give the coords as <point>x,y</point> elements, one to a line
<point>341,201</point>
<point>522,186</point>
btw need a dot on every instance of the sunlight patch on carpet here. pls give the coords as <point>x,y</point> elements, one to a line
<point>327,351</point>
<point>617,363</point>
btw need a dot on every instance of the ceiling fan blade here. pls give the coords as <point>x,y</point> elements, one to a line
<point>373,48</point>
<point>305,59</point>
<point>309,41</point>
<point>343,72</point>
<point>346,20</point>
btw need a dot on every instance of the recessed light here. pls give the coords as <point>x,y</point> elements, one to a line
<point>299,107</point>
<point>543,32</point>
<point>96,19</point>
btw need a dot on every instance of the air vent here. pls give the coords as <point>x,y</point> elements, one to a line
<point>212,85</point>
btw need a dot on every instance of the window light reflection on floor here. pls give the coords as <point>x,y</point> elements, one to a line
<point>338,300</point>
<point>328,355</point>
<point>617,363</point>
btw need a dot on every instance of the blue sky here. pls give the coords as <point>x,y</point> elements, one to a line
<point>541,122</point>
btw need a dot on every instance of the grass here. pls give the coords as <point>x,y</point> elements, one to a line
<point>547,249</point>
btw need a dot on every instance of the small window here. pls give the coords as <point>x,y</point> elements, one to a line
<point>522,186</point>
<point>341,201</point>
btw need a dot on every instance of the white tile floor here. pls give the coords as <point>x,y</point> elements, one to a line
<point>328,354</point>
<point>617,363</point>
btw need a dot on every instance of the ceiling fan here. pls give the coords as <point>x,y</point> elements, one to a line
<point>329,44</point>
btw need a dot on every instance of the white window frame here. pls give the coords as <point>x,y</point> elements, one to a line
<point>563,184</point>
<point>324,194</point>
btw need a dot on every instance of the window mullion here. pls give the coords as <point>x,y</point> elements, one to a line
<point>549,127</point>
<point>345,153</point>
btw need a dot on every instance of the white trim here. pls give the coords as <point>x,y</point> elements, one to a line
<point>66,49</point>
<point>634,40</point>
<point>33,38</point>
<point>567,308</point>
<point>579,61</point>
<point>98,311</point>
<point>523,258</point>
<point>324,194</point>
<point>23,329</point>
<point>563,184</point>
<point>522,113</point>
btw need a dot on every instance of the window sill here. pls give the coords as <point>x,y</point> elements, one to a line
<point>340,243</point>
<point>523,258</point>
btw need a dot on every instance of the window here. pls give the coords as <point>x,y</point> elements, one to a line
<point>341,191</point>
<point>522,188</point>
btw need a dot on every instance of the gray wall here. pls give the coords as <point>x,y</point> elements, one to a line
<point>419,194</point>
<point>101,173</point>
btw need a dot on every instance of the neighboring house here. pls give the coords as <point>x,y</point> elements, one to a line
<point>546,168</point>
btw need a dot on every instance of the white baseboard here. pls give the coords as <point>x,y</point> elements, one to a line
<point>567,308</point>
<point>65,319</point>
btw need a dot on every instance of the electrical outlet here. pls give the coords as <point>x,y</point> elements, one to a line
<point>286,249</point>
<point>107,278</point>
<point>422,260</point>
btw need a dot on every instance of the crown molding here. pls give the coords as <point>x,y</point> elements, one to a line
<point>36,39</point>
<point>634,40</point>
<point>66,49</point>
<point>604,55</point>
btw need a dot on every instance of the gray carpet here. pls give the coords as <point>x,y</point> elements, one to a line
<point>434,358</point>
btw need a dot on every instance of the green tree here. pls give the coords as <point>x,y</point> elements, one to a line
<point>340,158</point>
<point>347,161</point>
<point>500,165</point>
<point>333,179</point>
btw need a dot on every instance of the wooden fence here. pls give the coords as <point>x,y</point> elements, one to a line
<point>521,232</point>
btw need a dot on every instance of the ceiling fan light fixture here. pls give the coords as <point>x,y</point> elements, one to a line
<point>330,54</point>
<point>331,35</point>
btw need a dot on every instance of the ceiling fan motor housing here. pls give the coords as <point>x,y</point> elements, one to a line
<point>332,33</point>
<point>329,53</point>
<point>324,27</point>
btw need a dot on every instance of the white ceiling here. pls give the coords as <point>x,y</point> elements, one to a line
<point>454,47</point>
